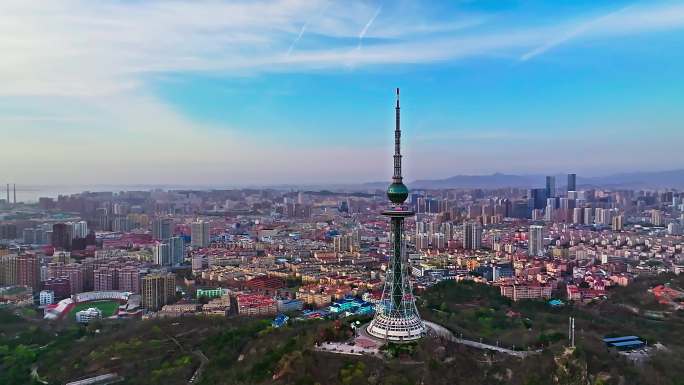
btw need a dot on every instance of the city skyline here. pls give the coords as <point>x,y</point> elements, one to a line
<point>216,192</point>
<point>261,93</point>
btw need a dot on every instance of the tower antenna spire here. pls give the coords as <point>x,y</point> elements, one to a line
<point>397,178</point>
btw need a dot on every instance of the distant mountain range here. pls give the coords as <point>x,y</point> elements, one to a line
<point>635,180</point>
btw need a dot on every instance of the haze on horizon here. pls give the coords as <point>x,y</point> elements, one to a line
<point>274,92</point>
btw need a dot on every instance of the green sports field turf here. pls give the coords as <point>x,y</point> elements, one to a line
<point>108,308</point>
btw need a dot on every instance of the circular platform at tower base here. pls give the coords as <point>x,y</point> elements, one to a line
<point>396,330</point>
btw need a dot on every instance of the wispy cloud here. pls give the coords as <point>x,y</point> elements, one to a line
<point>296,40</point>
<point>95,59</point>
<point>305,26</point>
<point>573,32</point>
<point>34,118</point>
<point>88,48</point>
<point>370,22</point>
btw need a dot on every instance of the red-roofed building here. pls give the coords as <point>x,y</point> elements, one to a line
<point>269,286</point>
<point>576,293</point>
<point>519,292</point>
<point>255,305</point>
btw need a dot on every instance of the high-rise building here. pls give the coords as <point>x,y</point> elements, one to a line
<point>104,221</point>
<point>356,240</point>
<point>74,272</point>
<point>577,215</point>
<point>422,241</point>
<point>79,229</point>
<point>30,236</point>
<point>129,279</point>
<point>550,210</point>
<point>176,250</point>
<point>396,316</point>
<point>472,235</point>
<point>588,216</point>
<point>28,271</point>
<point>121,224</point>
<point>656,217</point>
<point>520,209</point>
<point>537,198</point>
<point>162,229</point>
<point>420,227</point>
<point>604,217</point>
<point>572,182</point>
<point>60,287</point>
<point>199,234</point>
<point>161,254</point>
<point>105,279</point>
<point>61,236</point>
<point>8,270</point>
<point>474,211</point>
<point>342,243</point>
<point>567,206</point>
<point>448,230</point>
<point>8,231</point>
<point>618,222</point>
<point>536,241</point>
<point>438,241</point>
<point>158,289</point>
<point>550,186</point>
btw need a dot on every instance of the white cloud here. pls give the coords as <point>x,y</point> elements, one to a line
<point>628,20</point>
<point>90,48</point>
<point>80,69</point>
<point>570,34</point>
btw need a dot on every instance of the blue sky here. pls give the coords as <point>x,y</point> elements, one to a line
<point>265,92</point>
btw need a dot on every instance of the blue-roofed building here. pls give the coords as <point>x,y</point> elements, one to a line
<point>624,343</point>
<point>366,308</point>
<point>629,345</point>
<point>352,305</point>
<point>556,303</point>
<point>289,305</point>
<point>620,339</point>
<point>314,314</point>
<point>347,304</point>
<point>280,320</point>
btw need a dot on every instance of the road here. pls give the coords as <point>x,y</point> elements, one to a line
<point>198,353</point>
<point>343,348</point>
<point>443,332</point>
<point>203,362</point>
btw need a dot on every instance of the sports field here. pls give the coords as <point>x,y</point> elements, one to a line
<point>108,308</point>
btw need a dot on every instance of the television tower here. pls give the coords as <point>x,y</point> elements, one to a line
<point>396,317</point>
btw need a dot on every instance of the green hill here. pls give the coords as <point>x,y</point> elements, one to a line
<point>248,351</point>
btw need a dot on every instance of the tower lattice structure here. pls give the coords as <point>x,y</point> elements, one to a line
<point>396,318</point>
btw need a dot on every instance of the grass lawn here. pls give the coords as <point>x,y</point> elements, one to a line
<point>108,308</point>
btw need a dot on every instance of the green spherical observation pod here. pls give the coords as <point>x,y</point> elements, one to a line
<point>397,193</point>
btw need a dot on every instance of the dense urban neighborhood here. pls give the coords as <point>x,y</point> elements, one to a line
<point>293,257</point>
